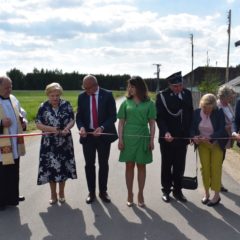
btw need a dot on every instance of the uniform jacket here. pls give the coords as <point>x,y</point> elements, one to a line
<point>177,126</point>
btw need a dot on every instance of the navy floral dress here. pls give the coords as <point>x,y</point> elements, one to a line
<point>57,162</point>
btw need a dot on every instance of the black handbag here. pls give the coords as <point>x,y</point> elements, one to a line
<point>191,183</point>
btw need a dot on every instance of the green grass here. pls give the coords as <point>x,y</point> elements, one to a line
<point>236,148</point>
<point>31,100</point>
<point>152,95</point>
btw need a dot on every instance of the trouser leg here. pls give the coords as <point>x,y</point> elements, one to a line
<point>179,160</point>
<point>166,168</point>
<point>89,151</point>
<point>103,150</point>
<point>205,158</point>
<point>216,168</point>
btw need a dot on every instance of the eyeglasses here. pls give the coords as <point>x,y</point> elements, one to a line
<point>87,88</point>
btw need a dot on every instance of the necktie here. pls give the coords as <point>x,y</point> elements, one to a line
<point>94,112</point>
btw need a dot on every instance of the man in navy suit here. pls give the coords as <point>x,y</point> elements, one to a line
<point>236,123</point>
<point>96,114</point>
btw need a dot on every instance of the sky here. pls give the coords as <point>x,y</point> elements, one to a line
<point>117,36</point>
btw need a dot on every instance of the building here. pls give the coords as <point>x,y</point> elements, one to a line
<point>210,73</point>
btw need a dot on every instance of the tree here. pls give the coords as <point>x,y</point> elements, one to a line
<point>17,78</point>
<point>210,83</point>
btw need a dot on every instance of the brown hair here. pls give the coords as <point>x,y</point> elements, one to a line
<point>141,88</point>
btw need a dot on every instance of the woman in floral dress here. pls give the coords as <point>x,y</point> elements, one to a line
<point>55,117</point>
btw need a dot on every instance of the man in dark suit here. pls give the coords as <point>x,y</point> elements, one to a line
<point>174,117</point>
<point>236,123</point>
<point>96,114</point>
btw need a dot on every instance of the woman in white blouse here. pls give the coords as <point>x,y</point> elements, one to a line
<point>226,95</point>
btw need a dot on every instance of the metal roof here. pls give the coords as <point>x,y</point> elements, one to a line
<point>233,82</point>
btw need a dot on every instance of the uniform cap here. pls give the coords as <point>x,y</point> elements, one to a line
<point>175,78</point>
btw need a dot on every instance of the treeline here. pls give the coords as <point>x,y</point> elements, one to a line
<point>38,79</point>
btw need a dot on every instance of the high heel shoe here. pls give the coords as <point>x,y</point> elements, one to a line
<point>130,200</point>
<point>141,201</point>
<point>211,204</point>
<point>53,201</point>
<point>141,204</point>
<point>129,204</point>
<point>62,200</point>
<point>205,200</point>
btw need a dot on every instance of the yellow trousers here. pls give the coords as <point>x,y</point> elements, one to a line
<point>211,156</point>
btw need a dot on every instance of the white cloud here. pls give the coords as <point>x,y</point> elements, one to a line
<point>107,36</point>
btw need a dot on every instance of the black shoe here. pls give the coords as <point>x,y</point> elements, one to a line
<point>21,198</point>
<point>179,196</point>
<point>165,197</point>
<point>223,189</point>
<point>91,197</point>
<point>205,200</point>
<point>211,204</point>
<point>104,196</point>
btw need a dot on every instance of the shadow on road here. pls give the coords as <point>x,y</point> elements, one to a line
<point>148,225</point>
<point>208,225</point>
<point>63,222</point>
<point>11,227</point>
<point>234,197</point>
<point>230,217</point>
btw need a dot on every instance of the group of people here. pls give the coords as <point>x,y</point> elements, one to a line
<point>211,128</point>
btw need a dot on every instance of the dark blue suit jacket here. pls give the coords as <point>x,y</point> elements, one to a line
<point>106,114</point>
<point>237,117</point>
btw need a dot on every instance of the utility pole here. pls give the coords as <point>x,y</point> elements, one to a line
<point>158,74</point>
<point>228,50</point>
<point>208,60</point>
<point>192,73</point>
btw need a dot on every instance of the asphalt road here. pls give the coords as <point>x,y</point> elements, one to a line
<point>75,220</point>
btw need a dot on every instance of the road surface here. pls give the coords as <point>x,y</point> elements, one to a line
<point>75,220</point>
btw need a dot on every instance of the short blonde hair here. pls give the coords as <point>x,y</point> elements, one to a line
<point>53,87</point>
<point>208,100</point>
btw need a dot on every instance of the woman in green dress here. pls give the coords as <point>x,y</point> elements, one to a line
<point>136,140</point>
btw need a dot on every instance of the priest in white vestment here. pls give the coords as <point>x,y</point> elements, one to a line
<point>12,122</point>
